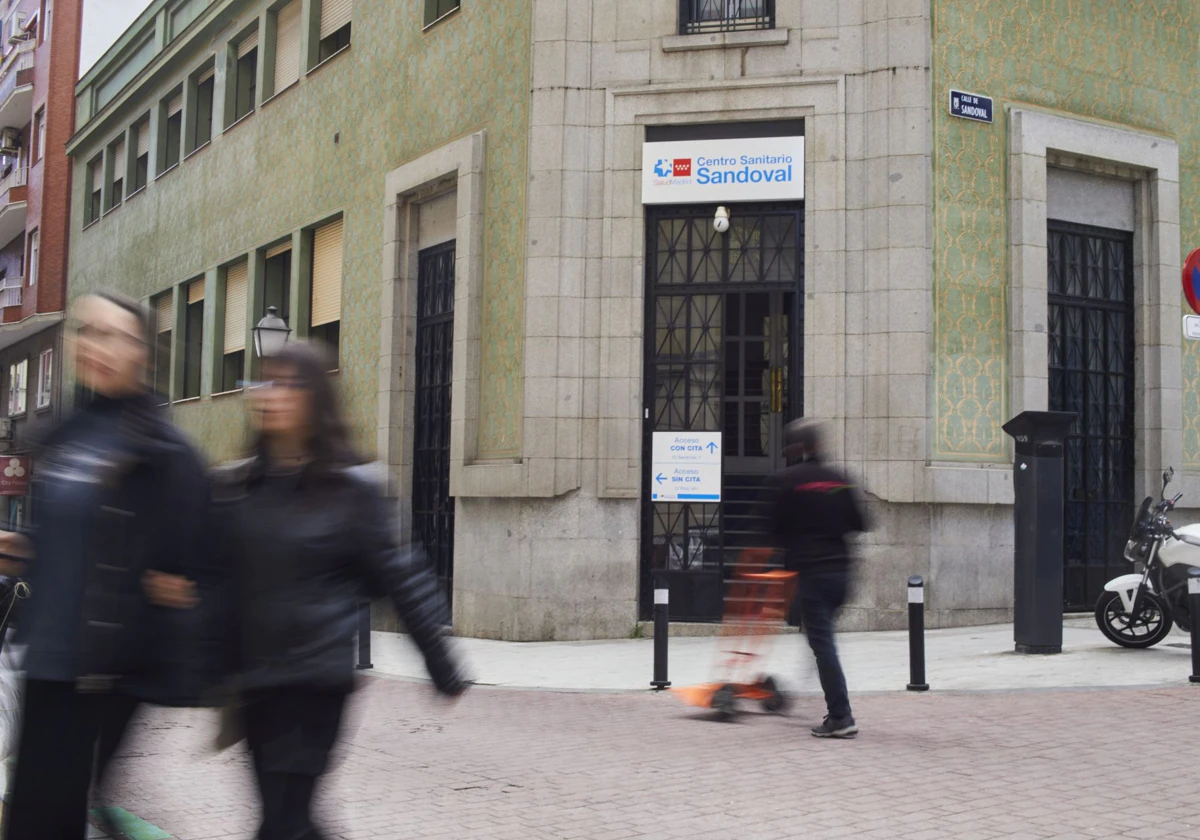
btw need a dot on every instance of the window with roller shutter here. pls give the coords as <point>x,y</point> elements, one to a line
<point>193,349</point>
<point>335,27</point>
<point>117,186</point>
<point>277,280</point>
<point>245,78</point>
<point>287,46</point>
<point>326,313</point>
<point>202,109</point>
<point>172,135</point>
<point>164,313</point>
<point>237,282</point>
<point>95,174</point>
<point>141,165</point>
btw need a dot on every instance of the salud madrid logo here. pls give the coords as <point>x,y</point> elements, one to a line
<point>677,168</point>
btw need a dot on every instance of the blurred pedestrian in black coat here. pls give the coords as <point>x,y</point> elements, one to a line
<point>114,560</point>
<point>310,533</point>
<point>815,508</point>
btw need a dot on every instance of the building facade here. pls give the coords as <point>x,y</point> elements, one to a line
<point>37,116</point>
<point>505,216</point>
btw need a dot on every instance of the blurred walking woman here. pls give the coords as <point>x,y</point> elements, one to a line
<point>119,506</point>
<point>314,535</point>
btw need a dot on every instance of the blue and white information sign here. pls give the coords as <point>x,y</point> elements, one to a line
<point>686,467</point>
<point>711,171</point>
<point>970,106</point>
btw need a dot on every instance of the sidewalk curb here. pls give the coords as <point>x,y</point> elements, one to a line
<point>949,692</point>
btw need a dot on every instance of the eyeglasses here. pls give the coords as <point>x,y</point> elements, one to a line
<point>289,384</point>
<point>93,332</point>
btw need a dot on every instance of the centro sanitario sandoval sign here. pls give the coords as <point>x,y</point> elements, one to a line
<point>702,171</point>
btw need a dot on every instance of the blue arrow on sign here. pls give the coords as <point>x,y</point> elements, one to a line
<point>712,447</point>
<point>660,478</point>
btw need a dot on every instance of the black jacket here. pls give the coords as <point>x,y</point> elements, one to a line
<point>815,507</point>
<point>304,554</point>
<point>151,513</point>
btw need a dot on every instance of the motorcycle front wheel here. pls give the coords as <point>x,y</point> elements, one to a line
<point>1150,626</point>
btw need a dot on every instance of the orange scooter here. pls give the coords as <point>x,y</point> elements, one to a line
<point>756,608</point>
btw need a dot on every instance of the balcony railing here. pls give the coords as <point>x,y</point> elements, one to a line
<point>17,178</point>
<point>10,292</point>
<point>14,179</point>
<point>700,16</point>
<point>14,64</point>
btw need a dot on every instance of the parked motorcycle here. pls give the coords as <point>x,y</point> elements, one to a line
<point>1137,610</point>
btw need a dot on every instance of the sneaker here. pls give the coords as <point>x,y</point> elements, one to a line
<point>830,728</point>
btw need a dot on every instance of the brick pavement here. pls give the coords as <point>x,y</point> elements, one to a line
<point>518,765</point>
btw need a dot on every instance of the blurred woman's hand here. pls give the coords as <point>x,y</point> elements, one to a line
<point>174,591</point>
<point>14,550</point>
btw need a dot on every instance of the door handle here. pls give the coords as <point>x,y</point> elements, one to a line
<point>776,390</point>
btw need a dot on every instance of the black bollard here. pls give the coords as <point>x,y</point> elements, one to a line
<point>1194,616</point>
<point>916,634</point>
<point>661,601</point>
<point>364,636</point>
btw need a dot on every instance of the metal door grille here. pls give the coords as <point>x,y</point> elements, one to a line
<point>433,508</point>
<point>706,371</point>
<point>1092,374</point>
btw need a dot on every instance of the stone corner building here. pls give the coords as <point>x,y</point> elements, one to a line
<point>502,214</point>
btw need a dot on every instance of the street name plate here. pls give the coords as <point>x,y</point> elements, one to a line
<point>971,106</point>
<point>686,467</point>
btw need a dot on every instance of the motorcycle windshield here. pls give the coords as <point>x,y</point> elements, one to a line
<point>1141,522</point>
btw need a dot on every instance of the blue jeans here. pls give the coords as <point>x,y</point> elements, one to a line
<point>820,597</point>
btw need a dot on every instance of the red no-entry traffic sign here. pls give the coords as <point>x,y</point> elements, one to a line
<point>1191,280</point>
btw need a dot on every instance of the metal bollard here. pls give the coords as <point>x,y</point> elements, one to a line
<point>1194,615</point>
<point>661,601</point>
<point>916,634</point>
<point>364,637</point>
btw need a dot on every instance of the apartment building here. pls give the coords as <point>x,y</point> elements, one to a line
<point>38,70</point>
<point>547,236</point>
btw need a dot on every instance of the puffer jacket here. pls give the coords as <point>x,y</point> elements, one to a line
<point>303,555</point>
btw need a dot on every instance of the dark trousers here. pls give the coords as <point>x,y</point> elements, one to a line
<point>65,737</point>
<point>820,597</point>
<point>290,733</point>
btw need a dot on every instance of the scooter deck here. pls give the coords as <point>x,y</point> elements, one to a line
<point>702,695</point>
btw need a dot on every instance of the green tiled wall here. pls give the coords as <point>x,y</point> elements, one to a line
<point>1132,62</point>
<point>397,94</point>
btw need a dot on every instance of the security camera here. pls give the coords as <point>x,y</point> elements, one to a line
<point>721,222</point>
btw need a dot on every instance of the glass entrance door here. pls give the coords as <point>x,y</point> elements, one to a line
<point>724,332</point>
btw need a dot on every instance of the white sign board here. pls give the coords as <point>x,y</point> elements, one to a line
<point>686,467</point>
<point>712,171</point>
<point>1191,326</point>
